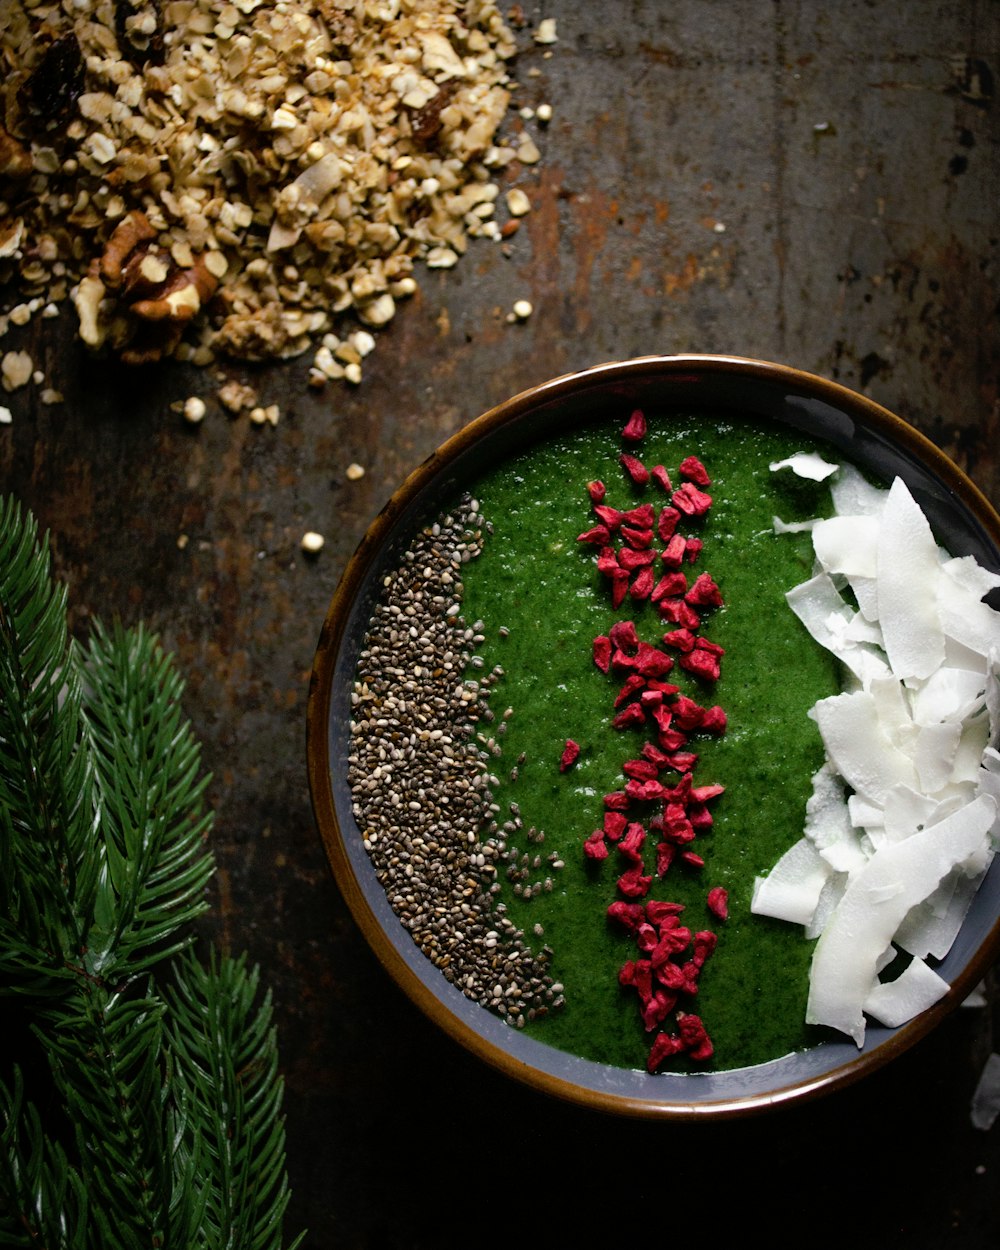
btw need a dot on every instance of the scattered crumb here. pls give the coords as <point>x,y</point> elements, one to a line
<point>354,472</point>
<point>311,542</point>
<point>194,409</point>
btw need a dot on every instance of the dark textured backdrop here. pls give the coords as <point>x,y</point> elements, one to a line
<point>808,182</point>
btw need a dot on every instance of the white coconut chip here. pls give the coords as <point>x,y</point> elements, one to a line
<point>894,862</point>
<point>807,464</point>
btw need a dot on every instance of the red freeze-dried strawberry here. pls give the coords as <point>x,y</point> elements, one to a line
<point>683,761</point>
<point>635,537</point>
<point>644,791</point>
<point>570,754</point>
<point>642,516</point>
<point>646,937</point>
<point>704,943</point>
<point>665,688</point>
<point>673,554</point>
<point>611,517</point>
<point>692,549</point>
<point>631,844</point>
<point>624,635</point>
<point>665,853</point>
<point>666,523</point>
<point>619,589</point>
<point>626,973</point>
<point>699,816</point>
<point>702,664</point>
<point>656,1008</point>
<point>630,559</point>
<point>694,1036</point>
<point>615,824</point>
<point>714,721</point>
<point>635,427</point>
<point>692,469</point>
<point>629,717</point>
<point>596,490</point>
<point>640,770</point>
<point>718,902</point>
<point>650,661</point>
<point>669,585</point>
<point>599,535</point>
<point>704,593</point>
<point>664,1047</point>
<point>679,613</point>
<point>602,652</point>
<point>650,700</point>
<point>655,756</point>
<point>660,476</point>
<point>595,847</point>
<point>616,801</point>
<point>704,794</point>
<point>660,911</point>
<point>688,714</point>
<point>641,585</point>
<point>692,859</point>
<point>680,639</point>
<point>633,884</point>
<point>690,500</point>
<point>607,562</point>
<point>631,915</point>
<point>634,467</point>
<point>632,686</point>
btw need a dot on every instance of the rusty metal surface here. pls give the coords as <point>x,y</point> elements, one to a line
<point>809,183</point>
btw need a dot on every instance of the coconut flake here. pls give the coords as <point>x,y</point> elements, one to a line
<point>909,572</point>
<point>792,888</point>
<point>916,988</point>
<point>807,464</point>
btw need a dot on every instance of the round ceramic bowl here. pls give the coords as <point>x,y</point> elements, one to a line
<point>862,431</point>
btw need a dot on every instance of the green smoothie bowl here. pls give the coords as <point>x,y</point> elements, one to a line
<point>652,736</point>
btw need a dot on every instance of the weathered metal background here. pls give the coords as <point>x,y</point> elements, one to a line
<point>806,182</point>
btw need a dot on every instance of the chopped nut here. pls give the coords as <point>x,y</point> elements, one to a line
<point>517,202</point>
<point>354,472</point>
<point>16,369</point>
<point>194,409</point>
<point>311,542</point>
<point>522,309</point>
<point>546,32</point>
<point>5,416</point>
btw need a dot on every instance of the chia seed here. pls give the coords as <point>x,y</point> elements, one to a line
<point>420,780</point>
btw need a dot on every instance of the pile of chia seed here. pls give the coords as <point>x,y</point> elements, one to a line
<point>420,780</point>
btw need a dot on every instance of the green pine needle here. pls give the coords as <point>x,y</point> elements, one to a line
<point>138,1116</point>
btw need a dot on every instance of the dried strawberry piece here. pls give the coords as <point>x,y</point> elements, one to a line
<point>692,549</point>
<point>694,1036</point>
<point>615,825</point>
<point>624,635</point>
<point>687,713</point>
<point>611,517</point>
<point>666,523</point>
<point>669,585</point>
<point>704,794</point>
<point>666,688</point>
<point>683,761</point>
<point>634,467</point>
<point>629,559</point>
<point>607,562</point>
<point>718,902</point>
<point>702,664</point>
<point>651,700</point>
<point>673,554</point>
<point>658,758</point>
<point>629,717</point>
<point>642,516</point>
<point>632,686</point>
<point>633,884</point>
<point>665,852</point>
<point>640,770</point>
<point>671,740</point>
<point>619,589</point>
<point>714,720</point>
<point>704,943</point>
<point>635,427</point>
<point>656,1008</point>
<point>631,915</point>
<point>704,593</point>
<point>678,830</point>
<point>680,639</point>
<point>570,754</point>
<point>666,971</point>
<point>660,476</point>
<point>595,847</point>
<point>602,652</point>
<point>644,791</point>
<point>646,937</point>
<point>674,938</point>
<point>650,661</point>
<point>699,816</point>
<point>692,469</point>
<point>664,1047</point>
<point>626,973</point>
<point>662,911</point>
<point>635,537</point>
<point>616,801</point>
<point>642,585</point>
<point>596,490</point>
<point>713,648</point>
<point>632,843</point>
<point>692,859</point>
<point>678,613</point>
<point>599,535</point>
<point>690,500</point>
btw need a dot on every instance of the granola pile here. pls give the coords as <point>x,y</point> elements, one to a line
<point>240,178</point>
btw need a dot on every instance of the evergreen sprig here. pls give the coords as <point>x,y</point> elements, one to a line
<point>144,1107</point>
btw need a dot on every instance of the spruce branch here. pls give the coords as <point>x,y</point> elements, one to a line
<point>147,1117</point>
